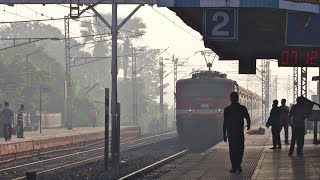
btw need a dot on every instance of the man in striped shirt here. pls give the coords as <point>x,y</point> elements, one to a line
<point>20,122</point>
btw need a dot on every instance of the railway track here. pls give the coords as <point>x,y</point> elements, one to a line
<point>154,166</point>
<point>76,159</point>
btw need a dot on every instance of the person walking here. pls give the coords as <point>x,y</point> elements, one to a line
<point>284,120</point>
<point>20,122</point>
<point>233,130</point>
<point>93,115</point>
<point>274,121</point>
<point>6,115</point>
<point>297,116</point>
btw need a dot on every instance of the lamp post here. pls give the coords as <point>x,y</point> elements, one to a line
<point>31,40</point>
<point>28,88</point>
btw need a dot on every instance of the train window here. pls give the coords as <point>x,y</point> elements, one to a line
<point>191,91</point>
<point>217,90</point>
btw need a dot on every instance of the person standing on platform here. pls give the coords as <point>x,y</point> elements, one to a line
<point>297,116</point>
<point>284,117</point>
<point>233,130</point>
<point>274,121</point>
<point>20,122</point>
<point>93,115</point>
<point>6,115</point>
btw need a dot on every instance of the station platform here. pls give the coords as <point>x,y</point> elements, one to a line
<point>259,162</point>
<point>58,137</point>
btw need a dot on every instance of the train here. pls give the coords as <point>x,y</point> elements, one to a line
<point>200,102</point>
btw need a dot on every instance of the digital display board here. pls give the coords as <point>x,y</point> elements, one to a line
<point>302,29</point>
<point>299,57</point>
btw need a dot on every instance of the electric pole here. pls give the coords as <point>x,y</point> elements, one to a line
<point>275,88</point>
<point>304,81</point>
<point>134,87</point>
<point>265,73</point>
<point>175,69</point>
<point>67,84</point>
<point>161,92</point>
<point>295,84</point>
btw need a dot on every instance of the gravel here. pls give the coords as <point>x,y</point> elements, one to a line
<point>166,168</point>
<point>131,161</point>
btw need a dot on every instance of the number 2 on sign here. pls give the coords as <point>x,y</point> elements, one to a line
<point>216,31</point>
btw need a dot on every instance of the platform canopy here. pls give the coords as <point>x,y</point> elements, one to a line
<point>297,5</point>
<point>77,1</point>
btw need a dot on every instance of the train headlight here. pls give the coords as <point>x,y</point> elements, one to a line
<point>219,110</point>
<point>189,110</point>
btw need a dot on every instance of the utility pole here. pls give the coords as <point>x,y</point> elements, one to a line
<point>304,81</point>
<point>28,83</point>
<point>304,86</point>
<point>67,84</point>
<point>295,84</point>
<point>265,73</point>
<point>275,88</point>
<point>28,88</point>
<point>134,88</point>
<point>115,114</point>
<point>161,92</point>
<point>175,77</point>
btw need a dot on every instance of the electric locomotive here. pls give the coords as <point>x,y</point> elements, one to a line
<point>200,102</point>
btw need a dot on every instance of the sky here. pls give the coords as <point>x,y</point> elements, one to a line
<point>164,30</point>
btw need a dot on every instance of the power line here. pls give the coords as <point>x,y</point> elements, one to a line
<point>151,60</point>
<point>51,18</point>
<point>36,12</point>
<point>4,10</point>
<point>175,24</point>
<point>173,68</point>
<point>192,72</point>
<point>69,7</point>
<point>35,20</point>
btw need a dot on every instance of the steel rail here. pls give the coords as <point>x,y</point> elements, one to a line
<point>154,165</point>
<point>128,145</point>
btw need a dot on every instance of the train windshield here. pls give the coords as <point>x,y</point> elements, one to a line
<point>205,90</point>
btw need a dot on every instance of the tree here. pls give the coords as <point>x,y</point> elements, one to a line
<point>101,44</point>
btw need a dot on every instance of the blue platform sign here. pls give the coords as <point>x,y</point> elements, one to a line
<point>303,29</point>
<point>221,24</point>
<point>46,89</point>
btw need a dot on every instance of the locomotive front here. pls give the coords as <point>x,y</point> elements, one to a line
<point>200,103</point>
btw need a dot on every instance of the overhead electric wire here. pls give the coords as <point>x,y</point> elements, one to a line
<point>175,24</point>
<point>4,10</point>
<point>173,68</point>
<point>73,37</point>
<point>36,20</point>
<point>151,60</point>
<point>42,14</point>
<point>192,72</point>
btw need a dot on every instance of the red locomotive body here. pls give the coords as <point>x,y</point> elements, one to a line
<point>200,103</point>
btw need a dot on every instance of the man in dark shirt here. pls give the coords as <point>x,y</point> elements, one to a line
<point>20,122</point>
<point>274,121</point>
<point>298,113</point>
<point>6,115</point>
<point>284,120</point>
<point>233,130</point>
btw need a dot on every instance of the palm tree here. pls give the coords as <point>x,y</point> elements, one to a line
<point>133,29</point>
<point>101,44</point>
